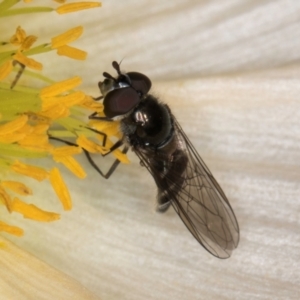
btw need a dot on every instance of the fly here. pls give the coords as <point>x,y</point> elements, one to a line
<point>183,180</point>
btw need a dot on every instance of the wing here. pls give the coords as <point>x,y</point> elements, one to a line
<point>196,196</point>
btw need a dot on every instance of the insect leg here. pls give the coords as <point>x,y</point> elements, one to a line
<point>91,161</point>
<point>113,166</point>
<point>94,116</point>
<point>20,72</point>
<point>98,98</point>
<point>61,140</point>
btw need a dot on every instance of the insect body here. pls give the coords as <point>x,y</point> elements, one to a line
<point>182,178</point>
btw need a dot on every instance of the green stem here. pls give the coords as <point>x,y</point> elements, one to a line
<point>25,10</point>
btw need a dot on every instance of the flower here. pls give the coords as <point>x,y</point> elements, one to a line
<point>35,274</point>
<point>30,117</point>
<point>228,71</point>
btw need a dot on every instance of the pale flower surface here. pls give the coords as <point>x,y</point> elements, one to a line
<point>229,70</point>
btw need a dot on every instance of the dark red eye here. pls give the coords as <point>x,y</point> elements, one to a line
<point>120,101</point>
<point>140,82</point>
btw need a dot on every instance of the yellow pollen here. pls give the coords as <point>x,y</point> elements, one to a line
<point>60,188</point>
<point>18,38</point>
<point>60,87</point>
<point>11,138</point>
<point>71,163</point>
<point>40,128</point>
<point>71,7</point>
<point>60,1</point>
<point>17,187</point>
<point>26,129</point>
<point>91,104</point>
<point>50,102</point>
<point>121,156</point>
<point>30,116</point>
<point>34,117</point>
<point>56,112</point>
<point>14,125</point>
<point>73,99</point>
<point>66,37</point>
<point>37,142</point>
<point>30,171</point>
<point>30,211</point>
<point>66,150</point>
<point>64,155</point>
<point>28,42</point>
<point>71,52</point>
<point>89,145</point>
<point>5,198</point>
<point>11,229</point>
<point>28,62</point>
<point>117,153</point>
<point>110,128</point>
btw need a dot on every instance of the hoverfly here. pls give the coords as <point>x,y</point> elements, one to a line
<point>183,180</point>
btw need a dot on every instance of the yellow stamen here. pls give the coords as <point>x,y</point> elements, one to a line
<point>57,106</point>
<point>11,138</point>
<point>30,171</point>
<point>66,151</point>
<point>110,128</point>
<point>89,145</point>
<point>38,118</point>
<point>71,52</point>
<point>5,198</point>
<point>64,155</point>
<point>14,125</point>
<point>70,163</point>
<point>71,7</point>
<point>30,211</point>
<point>27,117</point>
<point>91,104</point>
<point>50,102</point>
<point>121,156</point>
<point>37,142</point>
<point>28,62</point>
<point>60,188</point>
<point>18,38</point>
<point>56,112</point>
<point>66,37</point>
<point>73,99</point>
<point>5,69</point>
<point>28,42</point>
<point>117,153</point>
<point>17,187</point>
<point>40,128</point>
<point>60,87</point>
<point>26,129</point>
<point>93,147</point>
<point>11,229</point>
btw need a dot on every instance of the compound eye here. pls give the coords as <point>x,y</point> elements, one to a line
<point>140,82</point>
<point>120,101</point>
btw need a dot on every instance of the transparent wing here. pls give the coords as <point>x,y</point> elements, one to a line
<point>197,198</point>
